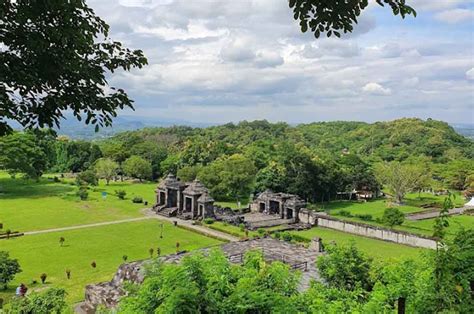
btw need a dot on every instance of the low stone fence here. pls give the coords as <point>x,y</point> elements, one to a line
<point>366,230</point>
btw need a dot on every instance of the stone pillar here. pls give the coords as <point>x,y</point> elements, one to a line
<point>295,214</point>
<point>282,210</point>
<point>316,244</point>
<point>178,201</point>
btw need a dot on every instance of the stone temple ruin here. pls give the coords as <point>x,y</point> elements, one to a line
<point>191,200</point>
<point>299,258</point>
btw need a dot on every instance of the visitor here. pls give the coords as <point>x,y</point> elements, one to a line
<point>21,290</point>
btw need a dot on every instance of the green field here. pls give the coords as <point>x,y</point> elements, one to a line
<point>374,248</point>
<point>28,205</point>
<point>376,209</point>
<point>105,245</point>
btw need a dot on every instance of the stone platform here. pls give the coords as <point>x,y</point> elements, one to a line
<point>296,256</point>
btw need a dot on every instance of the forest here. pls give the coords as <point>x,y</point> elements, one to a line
<point>315,161</point>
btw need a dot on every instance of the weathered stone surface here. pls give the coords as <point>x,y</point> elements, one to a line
<point>296,256</point>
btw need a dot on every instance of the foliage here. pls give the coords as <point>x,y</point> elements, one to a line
<point>399,178</point>
<point>211,284</point>
<point>121,194</point>
<point>55,59</point>
<point>137,200</point>
<point>229,177</point>
<point>74,156</point>
<point>21,153</point>
<point>50,301</point>
<point>87,177</point>
<point>334,17</point>
<point>137,167</point>
<point>9,267</point>
<point>392,216</point>
<point>106,169</point>
<point>208,221</point>
<point>83,193</point>
<point>345,267</point>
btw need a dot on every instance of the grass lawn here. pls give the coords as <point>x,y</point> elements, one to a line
<point>105,245</point>
<point>230,229</point>
<point>29,205</point>
<point>376,209</point>
<point>374,248</point>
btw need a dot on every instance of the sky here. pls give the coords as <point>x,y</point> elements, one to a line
<point>216,61</point>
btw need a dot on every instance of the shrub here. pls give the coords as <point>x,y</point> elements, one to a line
<point>242,227</point>
<point>393,216</point>
<point>124,257</point>
<point>261,231</point>
<point>86,177</point>
<point>120,194</point>
<point>43,278</point>
<point>137,199</point>
<point>365,217</point>
<point>208,221</point>
<point>287,236</point>
<point>277,235</point>
<point>56,179</point>
<point>344,213</point>
<point>82,193</point>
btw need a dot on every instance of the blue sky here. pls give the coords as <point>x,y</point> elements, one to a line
<point>218,61</point>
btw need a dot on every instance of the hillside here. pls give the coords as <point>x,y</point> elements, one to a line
<point>393,140</point>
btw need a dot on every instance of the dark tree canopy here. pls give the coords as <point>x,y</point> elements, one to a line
<point>335,16</point>
<point>54,57</point>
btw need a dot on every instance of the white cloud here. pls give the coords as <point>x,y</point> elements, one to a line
<point>215,61</point>
<point>376,89</point>
<point>455,16</point>
<point>470,74</point>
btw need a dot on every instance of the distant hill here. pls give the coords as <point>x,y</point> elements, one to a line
<point>464,129</point>
<point>391,140</point>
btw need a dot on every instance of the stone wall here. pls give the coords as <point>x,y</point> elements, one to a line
<point>366,230</point>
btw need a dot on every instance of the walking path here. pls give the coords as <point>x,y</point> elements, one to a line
<point>433,214</point>
<point>98,224</point>
<point>149,214</point>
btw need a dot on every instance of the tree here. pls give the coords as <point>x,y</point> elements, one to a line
<point>137,167</point>
<point>22,154</point>
<point>393,217</point>
<point>9,267</point>
<point>56,56</point>
<point>229,177</point>
<point>53,300</point>
<point>336,16</point>
<point>87,177</point>
<point>399,178</point>
<point>106,169</point>
<point>345,267</point>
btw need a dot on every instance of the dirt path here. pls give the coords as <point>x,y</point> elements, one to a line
<point>148,215</point>
<point>98,224</point>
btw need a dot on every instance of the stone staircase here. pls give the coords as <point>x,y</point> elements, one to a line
<point>168,212</point>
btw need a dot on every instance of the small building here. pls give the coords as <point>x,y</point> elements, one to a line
<point>189,200</point>
<point>286,206</point>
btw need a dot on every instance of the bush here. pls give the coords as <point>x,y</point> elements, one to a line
<point>365,217</point>
<point>344,213</point>
<point>261,231</point>
<point>393,216</point>
<point>242,227</point>
<point>120,194</point>
<point>277,235</point>
<point>82,193</point>
<point>43,278</point>
<point>287,236</point>
<point>208,221</point>
<point>137,199</point>
<point>87,177</point>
